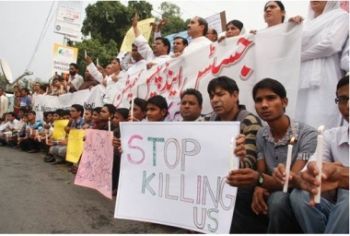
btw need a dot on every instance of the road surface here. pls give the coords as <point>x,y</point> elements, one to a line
<point>37,197</point>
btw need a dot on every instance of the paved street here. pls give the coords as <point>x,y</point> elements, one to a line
<point>37,197</point>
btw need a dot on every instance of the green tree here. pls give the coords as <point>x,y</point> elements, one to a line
<point>174,23</point>
<point>95,49</point>
<point>142,8</point>
<point>106,20</point>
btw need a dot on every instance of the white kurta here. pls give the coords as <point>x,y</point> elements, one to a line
<point>196,44</point>
<point>323,39</point>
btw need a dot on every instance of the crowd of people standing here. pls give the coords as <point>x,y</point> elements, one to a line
<point>261,205</point>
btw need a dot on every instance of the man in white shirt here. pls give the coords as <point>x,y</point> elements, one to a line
<point>3,102</point>
<point>161,47</point>
<point>328,216</point>
<point>75,80</point>
<point>197,29</point>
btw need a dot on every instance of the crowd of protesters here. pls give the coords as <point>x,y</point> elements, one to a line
<point>261,205</point>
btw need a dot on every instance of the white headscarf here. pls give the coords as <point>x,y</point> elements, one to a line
<point>330,5</point>
<point>314,25</point>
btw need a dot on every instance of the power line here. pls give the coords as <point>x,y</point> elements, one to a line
<point>42,34</point>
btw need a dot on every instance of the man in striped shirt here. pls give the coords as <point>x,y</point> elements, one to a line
<point>224,98</point>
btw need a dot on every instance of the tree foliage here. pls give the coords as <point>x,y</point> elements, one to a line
<point>107,22</point>
<point>174,23</point>
<point>142,8</point>
<point>95,49</point>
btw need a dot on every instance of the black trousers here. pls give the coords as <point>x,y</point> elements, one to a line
<point>244,220</point>
<point>29,144</point>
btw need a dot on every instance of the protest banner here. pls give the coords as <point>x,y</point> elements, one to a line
<point>58,129</point>
<point>178,178</point>
<point>75,145</point>
<point>271,53</point>
<point>95,167</point>
<point>88,98</point>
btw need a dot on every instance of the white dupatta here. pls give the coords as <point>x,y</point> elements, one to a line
<point>321,37</point>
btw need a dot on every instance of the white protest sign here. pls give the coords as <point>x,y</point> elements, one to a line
<point>68,18</point>
<point>173,173</point>
<point>62,57</point>
<point>217,21</point>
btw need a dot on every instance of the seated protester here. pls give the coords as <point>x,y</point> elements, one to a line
<point>3,125</point>
<point>157,108</point>
<point>105,119</point>
<point>96,117</point>
<point>161,47</point>
<point>48,119</point>
<point>57,115</point>
<point>59,151</point>
<point>330,216</point>
<point>88,122</point>
<point>45,133</point>
<point>107,115</point>
<point>20,128</point>
<point>76,120</point>
<point>139,110</point>
<point>120,115</point>
<point>191,105</point>
<point>66,115</point>
<point>30,143</point>
<point>26,100</point>
<point>9,129</point>
<point>272,141</point>
<point>224,99</point>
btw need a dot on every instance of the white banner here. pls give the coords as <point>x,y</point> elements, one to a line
<point>273,53</point>
<point>178,178</point>
<point>87,98</point>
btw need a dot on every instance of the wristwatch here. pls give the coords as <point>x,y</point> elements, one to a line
<point>260,180</point>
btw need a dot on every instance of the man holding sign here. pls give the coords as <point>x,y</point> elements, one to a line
<point>224,99</point>
<point>178,178</point>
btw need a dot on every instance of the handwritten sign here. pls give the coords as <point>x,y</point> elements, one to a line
<point>177,177</point>
<point>75,145</point>
<point>95,168</point>
<point>58,129</point>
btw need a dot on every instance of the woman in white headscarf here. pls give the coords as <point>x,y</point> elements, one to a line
<point>323,38</point>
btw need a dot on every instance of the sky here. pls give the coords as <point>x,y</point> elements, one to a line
<point>21,23</point>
